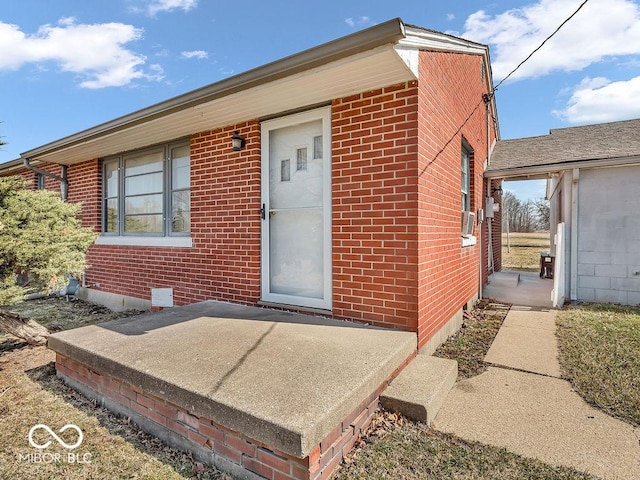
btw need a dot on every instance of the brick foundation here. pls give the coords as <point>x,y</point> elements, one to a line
<point>211,442</point>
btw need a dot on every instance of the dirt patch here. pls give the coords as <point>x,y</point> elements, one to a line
<point>30,394</point>
<point>57,314</point>
<point>472,342</point>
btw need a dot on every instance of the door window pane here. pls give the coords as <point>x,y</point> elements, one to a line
<point>317,146</point>
<point>285,170</point>
<point>301,159</point>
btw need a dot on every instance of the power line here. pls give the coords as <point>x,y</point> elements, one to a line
<point>487,98</point>
<point>539,46</point>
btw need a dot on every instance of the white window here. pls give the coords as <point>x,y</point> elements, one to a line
<point>147,192</point>
<point>466,179</point>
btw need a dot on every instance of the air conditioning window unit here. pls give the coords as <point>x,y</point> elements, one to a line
<point>468,220</point>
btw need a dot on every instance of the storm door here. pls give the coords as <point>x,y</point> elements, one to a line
<point>296,209</point>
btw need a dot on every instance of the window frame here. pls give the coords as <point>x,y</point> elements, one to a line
<point>466,162</point>
<point>467,196</point>
<point>167,192</point>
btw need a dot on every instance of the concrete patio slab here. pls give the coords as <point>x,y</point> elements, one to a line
<point>527,341</point>
<point>540,417</point>
<point>281,378</point>
<point>420,389</point>
<point>531,290</point>
<point>505,279</point>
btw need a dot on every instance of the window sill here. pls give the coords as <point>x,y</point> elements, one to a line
<point>178,242</point>
<point>469,241</point>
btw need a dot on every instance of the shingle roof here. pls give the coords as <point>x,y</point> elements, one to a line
<point>573,144</point>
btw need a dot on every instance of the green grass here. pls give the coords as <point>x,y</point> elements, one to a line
<point>412,451</point>
<point>600,355</point>
<point>525,250</point>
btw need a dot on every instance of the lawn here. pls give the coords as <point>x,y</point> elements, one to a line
<point>600,355</point>
<point>31,394</point>
<point>525,250</point>
<point>397,448</point>
<point>394,447</point>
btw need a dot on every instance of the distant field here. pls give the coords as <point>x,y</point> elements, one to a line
<point>525,250</point>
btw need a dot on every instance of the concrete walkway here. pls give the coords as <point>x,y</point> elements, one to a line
<point>531,411</point>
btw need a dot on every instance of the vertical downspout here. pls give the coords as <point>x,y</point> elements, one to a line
<point>574,235</point>
<point>63,179</point>
<point>487,100</point>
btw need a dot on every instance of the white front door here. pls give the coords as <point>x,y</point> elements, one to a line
<point>296,209</point>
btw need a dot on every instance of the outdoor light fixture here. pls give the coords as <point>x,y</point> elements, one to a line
<point>497,189</point>
<point>237,141</point>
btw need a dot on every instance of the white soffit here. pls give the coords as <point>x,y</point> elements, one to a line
<point>376,68</point>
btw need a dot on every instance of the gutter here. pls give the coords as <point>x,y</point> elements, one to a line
<point>63,179</point>
<point>382,34</point>
<point>512,173</point>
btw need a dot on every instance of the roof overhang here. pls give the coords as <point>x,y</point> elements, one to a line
<point>383,55</point>
<point>545,171</point>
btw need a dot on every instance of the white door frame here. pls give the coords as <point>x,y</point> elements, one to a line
<point>323,114</point>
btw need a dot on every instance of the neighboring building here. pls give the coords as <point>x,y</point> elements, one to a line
<point>344,198</point>
<point>592,175</point>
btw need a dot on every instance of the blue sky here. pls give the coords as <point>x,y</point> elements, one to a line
<point>67,65</point>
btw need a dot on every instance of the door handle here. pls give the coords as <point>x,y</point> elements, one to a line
<point>263,212</point>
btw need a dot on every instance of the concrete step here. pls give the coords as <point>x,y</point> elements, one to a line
<point>504,279</point>
<point>420,389</point>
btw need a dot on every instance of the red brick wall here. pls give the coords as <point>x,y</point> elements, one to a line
<point>450,89</point>
<point>374,215</point>
<point>85,186</point>
<point>224,262</point>
<point>374,137</point>
<point>245,452</point>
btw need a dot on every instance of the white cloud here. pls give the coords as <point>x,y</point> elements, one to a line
<point>601,29</point>
<point>358,21</point>
<point>157,6</point>
<point>199,54</point>
<point>95,52</point>
<point>451,16</point>
<point>597,100</point>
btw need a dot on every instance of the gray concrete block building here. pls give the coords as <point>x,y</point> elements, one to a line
<point>593,178</point>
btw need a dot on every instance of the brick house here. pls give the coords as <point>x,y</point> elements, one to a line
<point>356,163</point>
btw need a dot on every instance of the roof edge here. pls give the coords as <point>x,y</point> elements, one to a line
<point>385,33</point>
<point>554,167</point>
